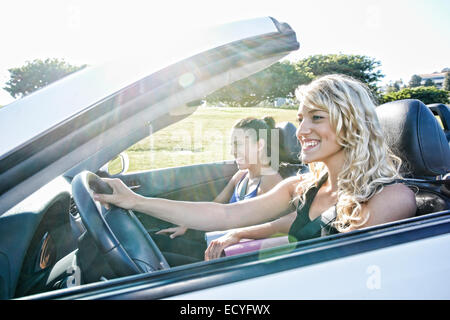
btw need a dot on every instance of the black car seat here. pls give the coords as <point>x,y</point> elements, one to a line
<point>413,133</point>
<point>289,152</point>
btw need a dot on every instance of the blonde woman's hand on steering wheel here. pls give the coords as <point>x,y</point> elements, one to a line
<point>122,196</point>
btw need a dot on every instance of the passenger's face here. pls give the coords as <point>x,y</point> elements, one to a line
<point>317,137</point>
<point>244,148</point>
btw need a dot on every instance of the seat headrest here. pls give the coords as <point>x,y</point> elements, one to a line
<point>443,112</point>
<point>289,145</point>
<point>413,134</point>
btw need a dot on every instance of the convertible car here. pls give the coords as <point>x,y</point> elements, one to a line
<point>57,243</point>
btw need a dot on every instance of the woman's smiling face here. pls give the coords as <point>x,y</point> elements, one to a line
<point>317,137</point>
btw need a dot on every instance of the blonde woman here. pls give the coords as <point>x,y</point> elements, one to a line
<point>350,184</point>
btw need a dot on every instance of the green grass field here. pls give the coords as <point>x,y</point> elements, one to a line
<point>200,138</point>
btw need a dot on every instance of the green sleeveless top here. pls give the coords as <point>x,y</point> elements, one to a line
<point>303,228</point>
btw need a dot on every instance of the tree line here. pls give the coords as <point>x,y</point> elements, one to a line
<point>426,92</point>
<point>278,81</point>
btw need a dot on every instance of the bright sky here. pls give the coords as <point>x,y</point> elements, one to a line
<point>407,36</point>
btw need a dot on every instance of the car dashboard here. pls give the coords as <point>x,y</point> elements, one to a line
<point>34,236</point>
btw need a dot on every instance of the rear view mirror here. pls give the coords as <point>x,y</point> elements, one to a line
<point>119,165</point>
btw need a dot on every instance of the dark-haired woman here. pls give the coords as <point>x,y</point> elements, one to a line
<point>251,147</point>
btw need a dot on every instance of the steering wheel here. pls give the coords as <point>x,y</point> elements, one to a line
<point>118,234</point>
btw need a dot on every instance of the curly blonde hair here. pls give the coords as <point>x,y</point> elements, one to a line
<point>369,164</point>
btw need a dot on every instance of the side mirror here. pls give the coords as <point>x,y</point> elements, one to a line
<point>118,165</point>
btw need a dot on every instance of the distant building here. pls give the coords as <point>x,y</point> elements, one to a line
<point>284,102</point>
<point>279,102</point>
<point>436,77</point>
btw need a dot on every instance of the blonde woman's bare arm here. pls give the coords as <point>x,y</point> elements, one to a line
<point>394,202</point>
<point>206,216</point>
